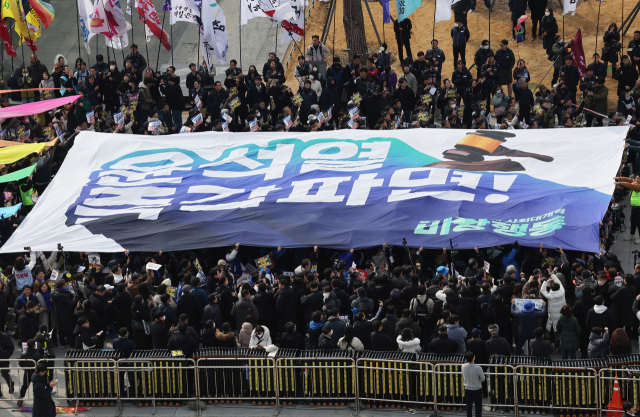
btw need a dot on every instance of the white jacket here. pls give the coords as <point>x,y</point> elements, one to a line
<point>555,302</point>
<point>412,345</point>
<point>265,340</point>
<point>356,345</point>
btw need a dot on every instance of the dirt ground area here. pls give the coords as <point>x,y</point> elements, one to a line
<point>586,18</point>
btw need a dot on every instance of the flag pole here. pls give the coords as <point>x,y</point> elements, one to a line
<point>171,43</point>
<point>433,34</point>
<point>164,15</point>
<point>240,29</point>
<point>598,25</point>
<point>131,19</point>
<point>333,48</point>
<point>78,24</point>
<point>276,50</point>
<point>551,66</point>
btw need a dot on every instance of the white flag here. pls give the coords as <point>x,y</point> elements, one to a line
<point>118,42</point>
<point>214,40</point>
<point>443,10</point>
<point>184,11</point>
<point>129,7</point>
<point>569,6</point>
<point>293,28</point>
<point>98,22</point>
<point>278,13</point>
<point>249,10</point>
<point>85,9</point>
<point>147,33</point>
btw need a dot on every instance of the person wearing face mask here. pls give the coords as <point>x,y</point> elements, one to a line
<point>324,341</point>
<point>26,82</point>
<point>384,57</point>
<point>330,301</point>
<point>600,316</point>
<point>460,35</point>
<point>548,28</point>
<point>481,56</point>
<point>537,8</point>
<point>560,50</point>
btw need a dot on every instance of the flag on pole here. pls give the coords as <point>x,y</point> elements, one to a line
<point>386,15</point>
<point>569,6</point>
<point>293,28</point>
<point>85,9</point>
<point>147,14</point>
<point>45,11</point>
<point>249,10</point>
<point>6,38</point>
<point>129,7</point>
<point>118,42</point>
<point>184,11</point>
<point>98,22</point>
<point>33,21</point>
<point>406,7</point>
<point>577,53</point>
<point>118,25</point>
<point>13,9</point>
<point>147,33</point>
<point>519,29</point>
<point>443,10</point>
<point>214,40</point>
<point>166,6</point>
<point>279,13</point>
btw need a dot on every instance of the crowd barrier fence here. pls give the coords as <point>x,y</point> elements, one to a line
<point>16,373</point>
<point>382,380</point>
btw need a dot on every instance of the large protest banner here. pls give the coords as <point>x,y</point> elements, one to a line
<point>341,189</point>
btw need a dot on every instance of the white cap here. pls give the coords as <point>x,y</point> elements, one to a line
<point>108,287</point>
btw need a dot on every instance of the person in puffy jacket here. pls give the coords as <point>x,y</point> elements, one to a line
<point>599,343</point>
<point>349,341</point>
<point>408,343</point>
<point>553,291</point>
<point>260,337</point>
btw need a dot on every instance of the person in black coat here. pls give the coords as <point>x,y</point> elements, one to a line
<point>105,310</point>
<point>173,95</point>
<point>291,339</point>
<point>611,38</point>
<point>496,345</point>
<point>212,311</point>
<point>188,304</point>
<point>286,303</point>
<point>313,301</point>
<point>580,310</point>
<point>140,317</point>
<point>182,341</point>
<point>257,92</point>
<point>123,343</point>
<point>6,350</point>
<point>548,29</point>
<point>170,316</point>
<point>28,322</point>
<point>524,96</point>
<point>64,303</point>
<point>84,335</point>
<point>31,354</point>
<point>622,303</point>
<point>626,76</point>
<point>600,316</point>
<point>505,290</point>
<point>537,8</point>
<point>85,310</point>
<point>159,332</point>
<point>122,303</point>
<point>43,405</point>
<point>442,343</point>
<point>324,341</point>
<point>363,329</point>
<point>379,340</point>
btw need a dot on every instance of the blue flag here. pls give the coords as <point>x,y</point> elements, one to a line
<point>386,16</point>
<point>406,7</point>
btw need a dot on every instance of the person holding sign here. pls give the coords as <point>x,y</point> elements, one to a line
<point>528,316</point>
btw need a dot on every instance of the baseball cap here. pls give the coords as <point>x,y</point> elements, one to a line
<point>475,332</point>
<point>108,287</point>
<point>443,270</point>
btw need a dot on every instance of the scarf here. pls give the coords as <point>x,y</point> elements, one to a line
<point>47,299</point>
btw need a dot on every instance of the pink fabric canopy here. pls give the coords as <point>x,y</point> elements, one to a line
<point>35,108</point>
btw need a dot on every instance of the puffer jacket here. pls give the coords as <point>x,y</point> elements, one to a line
<point>244,336</point>
<point>569,330</point>
<point>555,302</point>
<point>355,345</point>
<point>264,340</point>
<point>412,346</point>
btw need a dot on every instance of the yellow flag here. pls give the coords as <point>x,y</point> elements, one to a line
<point>13,9</point>
<point>11,154</point>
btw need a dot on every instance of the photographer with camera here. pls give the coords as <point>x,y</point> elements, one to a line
<point>597,101</point>
<point>611,47</point>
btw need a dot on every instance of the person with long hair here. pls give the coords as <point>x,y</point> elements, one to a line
<point>349,341</point>
<point>43,295</point>
<point>408,343</point>
<point>620,343</point>
<point>611,38</point>
<point>568,330</point>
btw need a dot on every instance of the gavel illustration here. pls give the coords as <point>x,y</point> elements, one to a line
<point>473,146</point>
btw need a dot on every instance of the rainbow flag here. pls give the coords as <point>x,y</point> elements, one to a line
<point>45,11</point>
<point>127,252</point>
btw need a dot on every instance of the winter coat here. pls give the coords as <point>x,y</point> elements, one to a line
<point>555,302</point>
<point>405,322</point>
<point>312,302</point>
<point>622,303</point>
<point>598,345</point>
<point>363,330</point>
<point>212,312</point>
<point>43,405</point>
<point>382,342</point>
<point>541,348</point>
<point>105,311</point>
<point>610,37</point>
<point>355,345</point>
<point>188,304</point>
<point>497,345</point>
<point>226,339</point>
<point>389,326</point>
<point>460,307</point>
<point>581,309</point>
<point>324,343</point>
<point>184,342</point>
<point>442,344</point>
<point>84,337</point>
<point>528,321</point>
<point>244,335</point>
<point>139,316</point>
<point>459,334</point>
<point>569,330</point>
<point>123,302</point>
<point>29,325</point>
<point>337,326</point>
<point>291,340</point>
<point>286,303</point>
<point>549,28</point>
<point>159,335</point>
<point>242,309</point>
<point>412,346</point>
<point>559,50</point>
<point>264,340</point>
<point>600,316</point>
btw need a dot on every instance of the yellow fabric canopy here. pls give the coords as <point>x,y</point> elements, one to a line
<point>11,154</point>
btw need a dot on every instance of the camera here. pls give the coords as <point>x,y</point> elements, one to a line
<point>588,85</point>
<point>389,246</point>
<point>339,265</point>
<point>635,252</point>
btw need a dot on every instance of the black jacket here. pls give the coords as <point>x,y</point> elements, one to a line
<point>170,316</point>
<point>125,345</point>
<point>6,348</point>
<point>602,320</point>
<point>291,341</point>
<point>324,343</point>
<point>312,302</point>
<point>497,345</point>
<point>64,303</point>
<point>122,304</point>
<point>28,326</point>
<point>188,304</point>
<point>581,309</point>
<point>212,312</point>
<point>505,291</point>
<point>184,342</point>
<point>105,310</point>
<point>621,304</point>
<point>406,26</point>
<point>479,348</point>
<point>286,302</point>
<point>43,405</point>
<point>381,342</point>
<point>173,95</point>
<point>363,330</point>
<point>541,348</point>
<point>159,334</point>
<point>442,344</point>
<point>84,335</point>
<point>89,314</point>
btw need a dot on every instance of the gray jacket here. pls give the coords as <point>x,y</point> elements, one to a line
<point>598,345</point>
<point>458,334</point>
<point>242,309</point>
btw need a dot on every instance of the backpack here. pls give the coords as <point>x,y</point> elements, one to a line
<point>422,312</point>
<point>363,306</point>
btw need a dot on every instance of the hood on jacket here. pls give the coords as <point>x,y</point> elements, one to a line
<point>600,309</point>
<point>225,336</point>
<point>315,325</point>
<point>247,326</point>
<point>594,336</point>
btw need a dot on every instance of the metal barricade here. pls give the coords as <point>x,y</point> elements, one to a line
<point>84,382</point>
<point>157,381</point>
<point>628,383</point>
<point>321,381</point>
<point>572,391</point>
<point>14,374</point>
<point>500,386</point>
<point>449,387</point>
<point>384,383</point>
<point>237,380</point>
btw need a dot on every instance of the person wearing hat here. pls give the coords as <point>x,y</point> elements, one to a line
<point>442,344</point>
<point>571,76</point>
<point>478,346</point>
<point>528,317</point>
<point>496,345</point>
